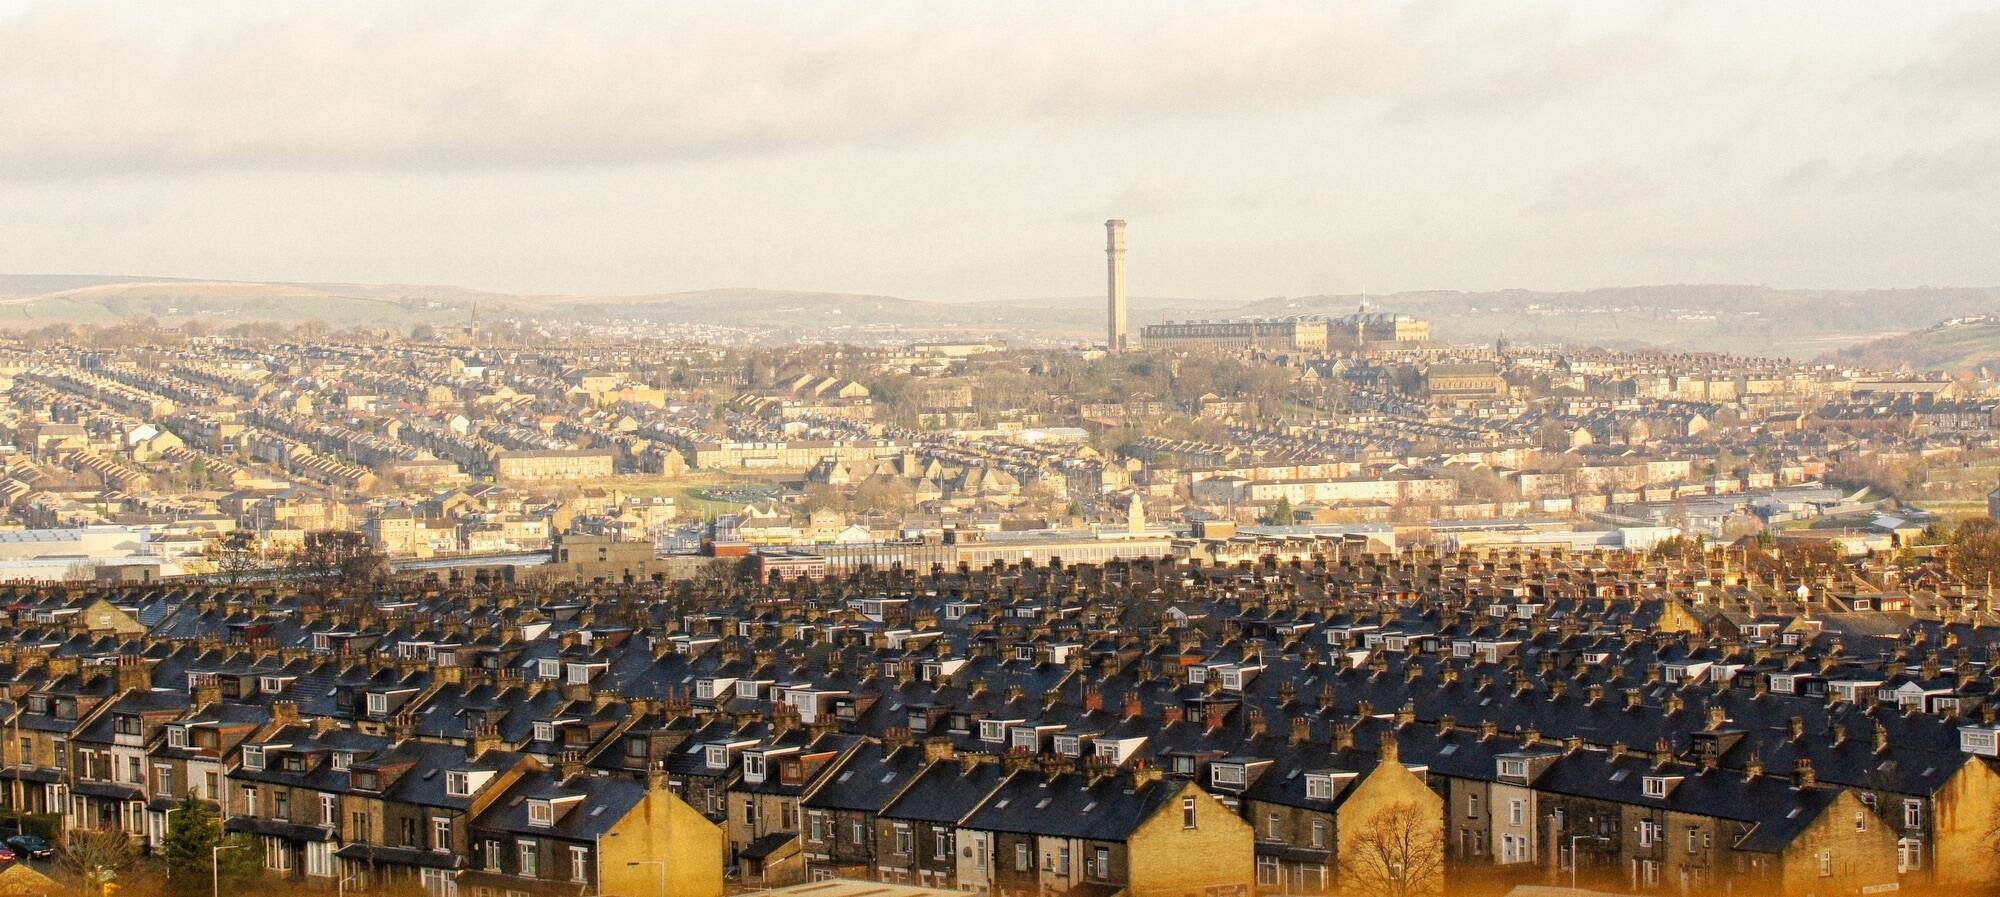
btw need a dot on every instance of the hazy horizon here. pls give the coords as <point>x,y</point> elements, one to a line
<point>970,153</point>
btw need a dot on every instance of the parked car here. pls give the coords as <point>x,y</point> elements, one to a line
<point>6,855</point>
<point>30,846</point>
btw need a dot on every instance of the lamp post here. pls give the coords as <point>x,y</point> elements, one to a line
<point>215,867</point>
<point>663,872</point>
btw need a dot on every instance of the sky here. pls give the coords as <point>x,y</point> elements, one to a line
<point>948,151</point>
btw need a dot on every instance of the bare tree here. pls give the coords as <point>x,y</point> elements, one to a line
<point>97,857</point>
<point>1398,851</point>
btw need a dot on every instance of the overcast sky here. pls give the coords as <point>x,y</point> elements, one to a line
<point>945,151</point>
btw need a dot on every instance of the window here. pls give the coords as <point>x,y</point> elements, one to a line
<point>1101,863</point>
<point>436,882</point>
<point>750,812</point>
<point>1319,787</point>
<point>815,827</point>
<point>457,784</point>
<point>1187,812</point>
<point>718,756</point>
<point>1227,774</point>
<point>253,756</point>
<point>163,779</point>
<point>545,731</point>
<point>1909,855</point>
<point>329,809</point>
<point>548,669</point>
<point>1649,833</point>
<point>992,731</point>
<point>1860,820</point>
<point>1472,806</point>
<point>1022,862</point>
<point>1516,811</point>
<point>1062,860</point>
<point>125,724</point>
<point>1694,836</point>
<point>1319,833</point>
<point>492,856</point>
<point>378,703</point>
<point>1272,826</point>
<point>903,839</point>
<point>525,851</point>
<point>1913,814</point>
<point>281,803</point>
<point>250,806</point>
<point>1267,870</point>
<point>177,736</point>
<point>441,834</point>
<point>941,848</point>
<point>1516,769</point>
<point>860,832</point>
<point>1826,864</point>
<point>342,760</point>
<point>753,767</point>
<point>541,814</point>
<point>579,863</point>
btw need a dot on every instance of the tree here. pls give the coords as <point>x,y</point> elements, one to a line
<point>339,557</point>
<point>1975,549</point>
<point>234,555</point>
<point>1398,852</point>
<point>187,851</point>
<point>1280,513</point>
<point>97,857</point>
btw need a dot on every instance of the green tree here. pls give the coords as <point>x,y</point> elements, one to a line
<point>1280,513</point>
<point>188,848</point>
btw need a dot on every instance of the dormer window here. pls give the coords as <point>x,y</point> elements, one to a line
<point>541,814</point>
<point>364,780</point>
<point>342,759</point>
<point>990,730</point>
<point>457,784</point>
<point>1660,786</point>
<point>378,703</point>
<point>545,731</point>
<point>271,685</point>
<point>753,767</point>
<point>1319,787</point>
<point>177,736</point>
<point>253,756</point>
<point>1514,769</point>
<point>1226,774</point>
<point>1197,675</point>
<point>548,669</point>
<point>718,756</point>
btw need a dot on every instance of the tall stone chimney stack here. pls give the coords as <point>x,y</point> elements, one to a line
<point>1114,253</point>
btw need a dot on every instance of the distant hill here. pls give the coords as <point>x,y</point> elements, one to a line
<point>1720,317</point>
<point>1956,347</point>
<point>219,303</point>
<point>1728,318</point>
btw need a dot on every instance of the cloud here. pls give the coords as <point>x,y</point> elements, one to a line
<point>95,90</point>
